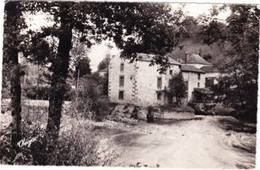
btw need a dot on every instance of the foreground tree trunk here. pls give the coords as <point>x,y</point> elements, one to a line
<point>15,98</point>
<point>58,79</point>
<point>11,55</point>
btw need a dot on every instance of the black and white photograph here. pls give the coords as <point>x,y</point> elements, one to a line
<point>129,84</point>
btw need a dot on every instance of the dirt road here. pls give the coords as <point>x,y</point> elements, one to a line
<point>197,143</point>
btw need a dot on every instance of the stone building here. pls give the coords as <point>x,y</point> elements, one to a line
<point>138,83</point>
<point>198,74</point>
<point>194,78</point>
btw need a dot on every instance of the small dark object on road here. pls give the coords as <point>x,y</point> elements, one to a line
<point>150,116</point>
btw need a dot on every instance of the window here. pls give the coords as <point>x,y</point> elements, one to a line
<point>186,85</point>
<point>121,81</point>
<point>198,76</point>
<point>121,95</point>
<point>209,81</point>
<point>170,72</point>
<point>159,83</point>
<point>198,84</point>
<point>122,67</point>
<point>159,95</point>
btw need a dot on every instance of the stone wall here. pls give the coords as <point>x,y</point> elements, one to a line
<point>113,82</point>
<point>147,84</point>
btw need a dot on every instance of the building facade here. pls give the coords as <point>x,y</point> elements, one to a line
<point>198,74</point>
<point>140,84</point>
<point>137,82</point>
<point>194,78</point>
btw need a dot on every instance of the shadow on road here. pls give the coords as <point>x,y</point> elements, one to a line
<point>163,121</point>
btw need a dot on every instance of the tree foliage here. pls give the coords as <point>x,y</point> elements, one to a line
<point>238,84</point>
<point>82,67</point>
<point>213,32</point>
<point>134,27</point>
<point>104,63</point>
<point>177,88</point>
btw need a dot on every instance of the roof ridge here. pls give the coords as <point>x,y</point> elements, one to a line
<point>196,59</point>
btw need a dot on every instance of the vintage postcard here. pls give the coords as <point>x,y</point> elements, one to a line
<point>129,84</point>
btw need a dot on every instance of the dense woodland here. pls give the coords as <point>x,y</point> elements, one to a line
<point>57,51</point>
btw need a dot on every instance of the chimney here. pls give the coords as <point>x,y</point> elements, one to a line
<point>186,56</point>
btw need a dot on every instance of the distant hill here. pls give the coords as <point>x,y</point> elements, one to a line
<point>212,53</point>
<point>191,41</point>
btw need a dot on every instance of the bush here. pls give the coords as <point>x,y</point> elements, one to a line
<point>42,92</point>
<point>37,92</point>
<point>76,145</point>
<point>89,101</point>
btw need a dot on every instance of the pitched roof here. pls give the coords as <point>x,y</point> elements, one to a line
<point>187,68</point>
<point>209,69</point>
<point>172,61</point>
<point>149,57</point>
<point>196,59</point>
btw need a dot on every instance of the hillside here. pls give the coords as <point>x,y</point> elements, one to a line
<point>216,50</point>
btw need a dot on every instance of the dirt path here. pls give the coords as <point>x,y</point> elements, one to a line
<point>198,143</point>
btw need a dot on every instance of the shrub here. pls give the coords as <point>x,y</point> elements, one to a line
<point>89,101</point>
<point>76,144</point>
<point>37,92</point>
<point>41,92</point>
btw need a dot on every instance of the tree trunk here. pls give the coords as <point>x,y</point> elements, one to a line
<point>58,79</point>
<point>15,93</point>
<point>11,43</point>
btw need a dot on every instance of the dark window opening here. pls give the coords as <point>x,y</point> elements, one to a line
<point>122,67</point>
<point>170,72</point>
<point>209,81</point>
<point>121,95</point>
<point>159,95</point>
<point>198,84</point>
<point>159,83</point>
<point>121,81</point>
<point>199,76</point>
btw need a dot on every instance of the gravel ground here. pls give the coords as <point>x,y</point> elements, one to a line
<point>198,143</point>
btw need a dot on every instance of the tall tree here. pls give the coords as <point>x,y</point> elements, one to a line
<point>60,71</point>
<point>13,25</point>
<point>238,85</point>
<point>134,27</point>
